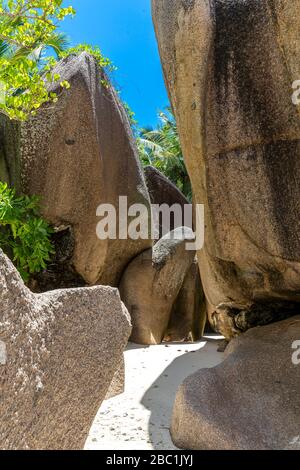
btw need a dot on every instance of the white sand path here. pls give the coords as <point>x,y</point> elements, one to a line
<point>139,419</point>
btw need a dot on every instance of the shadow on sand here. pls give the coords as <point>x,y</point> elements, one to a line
<point>160,397</point>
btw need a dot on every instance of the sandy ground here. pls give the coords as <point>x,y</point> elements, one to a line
<point>139,419</point>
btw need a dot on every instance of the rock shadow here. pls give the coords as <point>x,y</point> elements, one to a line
<point>160,397</point>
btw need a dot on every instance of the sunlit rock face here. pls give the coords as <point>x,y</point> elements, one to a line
<point>59,353</point>
<point>152,286</point>
<point>77,154</point>
<point>229,67</point>
<point>250,401</point>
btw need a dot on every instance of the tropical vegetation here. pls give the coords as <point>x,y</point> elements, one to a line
<point>30,46</point>
<point>27,28</point>
<point>161,148</point>
<point>24,235</point>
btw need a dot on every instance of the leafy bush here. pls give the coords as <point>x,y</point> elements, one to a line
<point>28,31</point>
<point>24,235</point>
<point>102,61</point>
<point>28,28</point>
<point>161,148</point>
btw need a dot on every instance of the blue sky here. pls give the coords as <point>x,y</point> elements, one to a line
<point>124,32</point>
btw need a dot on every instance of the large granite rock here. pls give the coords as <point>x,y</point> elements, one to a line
<point>229,67</point>
<point>163,191</point>
<point>188,317</point>
<point>152,282</point>
<point>117,385</point>
<point>59,352</point>
<point>249,402</point>
<point>76,155</point>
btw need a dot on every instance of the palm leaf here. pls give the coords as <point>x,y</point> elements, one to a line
<point>59,42</point>
<point>161,148</point>
<point>4,48</point>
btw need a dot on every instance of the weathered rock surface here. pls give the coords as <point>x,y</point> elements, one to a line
<point>231,322</point>
<point>152,282</point>
<point>188,317</point>
<point>163,191</point>
<point>249,402</point>
<point>117,386</point>
<point>59,353</point>
<point>60,272</point>
<point>229,67</point>
<point>76,155</point>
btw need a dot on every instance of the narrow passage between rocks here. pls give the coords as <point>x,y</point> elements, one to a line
<point>139,419</point>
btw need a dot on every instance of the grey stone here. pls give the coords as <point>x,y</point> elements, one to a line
<point>77,154</point>
<point>63,350</point>
<point>188,317</point>
<point>152,282</point>
<point>163,191</point>
<point>249,402</point>
<point>117,386</point>
<point>229,68</point>
<point>3,354</point>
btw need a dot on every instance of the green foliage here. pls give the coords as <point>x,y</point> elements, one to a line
<point>27,27</point>
<point>102,61</point>
<point>24,235</point>
<point>131,117</point>
<point>161,148</point>
<point>28,31</point>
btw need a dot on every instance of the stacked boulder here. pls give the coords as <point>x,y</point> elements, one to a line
<point>249,402</point>
<point>59,352</point>
<point>230,68</point>
<point>161,287</point>
<point>188,316</point>
<point>155,286</point>
<point>76,155</point>
<point>163,192</point>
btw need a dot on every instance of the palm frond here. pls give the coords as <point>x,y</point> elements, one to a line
<point>4,48</point>
<point>161,148</point>
<point>59,42</point>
